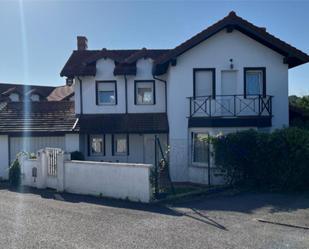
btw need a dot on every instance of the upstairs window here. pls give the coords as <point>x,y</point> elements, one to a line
<point>14,97</point>
<point>255,81</point>
<point>96,144</point>
<point>106,93</point>
<point>145,92</point>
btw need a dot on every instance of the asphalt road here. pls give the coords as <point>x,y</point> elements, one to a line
<point>48,220</point>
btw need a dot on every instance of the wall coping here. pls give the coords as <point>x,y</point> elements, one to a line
<point>138,165</point>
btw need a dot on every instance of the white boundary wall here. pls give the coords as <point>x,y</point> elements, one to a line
<point>117,180</point>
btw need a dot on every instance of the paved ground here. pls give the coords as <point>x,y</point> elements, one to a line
<point>37,220</point>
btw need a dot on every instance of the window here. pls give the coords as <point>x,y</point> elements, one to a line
<point>96,144</point>
<point>200,148</point>
<point>106,93</point>
<point>204,82</point>
<point>35,97</point>
<point>254,81</point>
<point>14,97</point>
<point>145,92</point>
<point>120,144</point>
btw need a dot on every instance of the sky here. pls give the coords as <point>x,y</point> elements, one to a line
<point>37,37</point>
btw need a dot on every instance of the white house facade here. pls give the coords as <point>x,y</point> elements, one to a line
<point>232,76</point>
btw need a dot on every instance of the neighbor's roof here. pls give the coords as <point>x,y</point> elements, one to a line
<point>124,123</point>
<point>47,117</point>
<point>49,93</point>
<point>82,63</point>
<point>61,93</point>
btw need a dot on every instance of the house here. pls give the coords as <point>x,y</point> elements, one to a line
<point>33,117</point>
<point>231,76</point>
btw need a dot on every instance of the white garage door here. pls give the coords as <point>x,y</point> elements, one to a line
<point>33,144</point>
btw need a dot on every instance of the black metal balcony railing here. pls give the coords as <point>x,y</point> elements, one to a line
<point>231,106</point>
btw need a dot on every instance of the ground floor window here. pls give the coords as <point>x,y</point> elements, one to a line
<point>200,148</point>
<point>96,144</point>
<point>120,144</point>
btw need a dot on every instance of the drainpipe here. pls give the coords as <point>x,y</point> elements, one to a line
<point>165,90</point>
<point>126,91</point>
<point>80,95</point>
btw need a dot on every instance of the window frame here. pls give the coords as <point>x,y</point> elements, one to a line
<point>263,70</point>
<point>114,148</point>
<point>97,92</point>
<point>90,153</point>
<point>15,94</point>
<point>194,163</point>
<point>213,70</point>
<point>136,82</point>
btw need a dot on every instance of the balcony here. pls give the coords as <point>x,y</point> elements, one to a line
<point>230,111</point>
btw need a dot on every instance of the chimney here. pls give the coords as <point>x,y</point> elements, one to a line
<point>82,43</point>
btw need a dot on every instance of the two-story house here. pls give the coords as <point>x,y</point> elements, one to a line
<point>229,77</point>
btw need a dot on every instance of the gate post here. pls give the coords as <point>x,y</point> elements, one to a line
<point>60,171</point>
<point>41,169</point>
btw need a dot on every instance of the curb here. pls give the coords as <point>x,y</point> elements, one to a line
<point>194,193</point>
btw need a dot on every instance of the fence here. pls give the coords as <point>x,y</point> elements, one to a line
<point>117,180</point>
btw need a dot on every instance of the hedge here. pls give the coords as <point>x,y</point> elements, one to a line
<point>277,160</point>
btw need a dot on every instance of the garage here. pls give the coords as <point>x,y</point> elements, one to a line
<point>33,144</point>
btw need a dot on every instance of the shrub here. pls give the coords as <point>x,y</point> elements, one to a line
<point>15,173</point>
<point>77,155</point>
<point>265,160</point>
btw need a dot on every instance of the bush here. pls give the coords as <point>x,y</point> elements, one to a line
<point>15,173</point>
<point>265,160</point>
<point>77,155</point>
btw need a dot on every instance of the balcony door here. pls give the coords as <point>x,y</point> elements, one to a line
<point>228,90</point>
<point>204,82</point>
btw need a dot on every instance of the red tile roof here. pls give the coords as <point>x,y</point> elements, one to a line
<point>82,63</point>
<point>47,117</point>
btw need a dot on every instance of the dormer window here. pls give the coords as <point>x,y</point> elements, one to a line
<point>35,97</point>
<point>14,97</point>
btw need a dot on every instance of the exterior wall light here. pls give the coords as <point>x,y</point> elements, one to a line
<point>231,65</point>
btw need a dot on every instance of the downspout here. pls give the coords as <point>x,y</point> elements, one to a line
<point>80,94</point>
<point>126,92</point>
<point>165,90</point>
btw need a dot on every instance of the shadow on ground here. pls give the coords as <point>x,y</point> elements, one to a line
<point>195,209</point>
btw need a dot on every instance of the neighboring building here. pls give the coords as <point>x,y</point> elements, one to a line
<point>33,117</point>
<point>229,77</point>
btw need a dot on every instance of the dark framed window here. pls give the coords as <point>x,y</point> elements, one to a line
<point>96,145</point>
<point>144,92</point>
<point>120,144</point>
<point>204,82</point>
<point>254,81</point>
<point>200,148</point>
<point>106,93</point>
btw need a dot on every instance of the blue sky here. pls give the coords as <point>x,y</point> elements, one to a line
<point>37,37</point>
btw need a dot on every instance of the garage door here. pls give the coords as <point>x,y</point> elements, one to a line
<point>33,144</point>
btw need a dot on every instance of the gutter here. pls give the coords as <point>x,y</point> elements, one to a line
<point>165,90</point>
<point>80,94</point>
<point>126,91</point>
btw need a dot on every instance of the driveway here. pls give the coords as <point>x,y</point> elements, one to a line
<point>43,219</point>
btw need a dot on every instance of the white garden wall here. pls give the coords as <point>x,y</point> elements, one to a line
<point>116,180</point>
